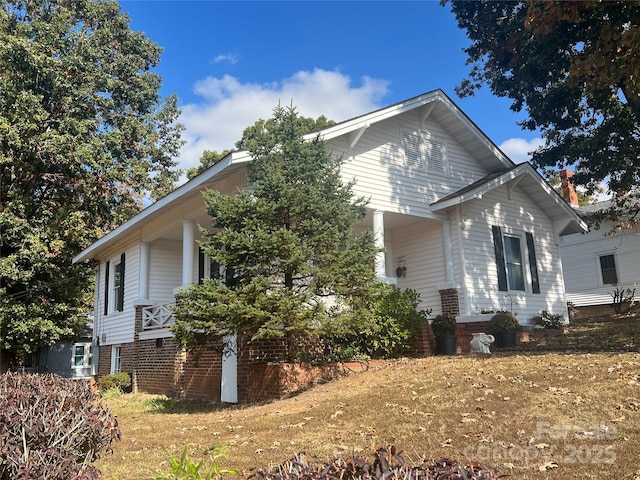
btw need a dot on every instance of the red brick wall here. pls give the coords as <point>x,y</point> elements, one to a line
<point>202,380</point>
<point>127,359</point>
<point>449,302</point>
<point>269,381</point>
<point>252,354</point>
<point>156,366</point>
<point>424,343</point>
<point>464,333</point>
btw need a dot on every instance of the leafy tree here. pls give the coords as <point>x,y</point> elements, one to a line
<point>210,158</point>
<point>293,262</point>
<point>574,67</point>
<point>84,137</point>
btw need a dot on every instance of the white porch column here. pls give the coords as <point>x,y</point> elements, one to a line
<point>378,232</point>
<point>143,275</point>
<point>188,251</point>
<point>448,252</point>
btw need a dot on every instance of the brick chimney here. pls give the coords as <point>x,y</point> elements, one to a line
<point>568,190</point>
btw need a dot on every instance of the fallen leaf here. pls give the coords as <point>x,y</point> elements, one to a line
<point>547,466</point>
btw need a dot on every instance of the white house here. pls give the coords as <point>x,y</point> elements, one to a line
<point>459,221</point>
<point>598,262</point>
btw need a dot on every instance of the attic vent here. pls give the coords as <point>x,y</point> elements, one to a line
<point>412,149</point>
<point>422,151</point>
<point>436,159</point>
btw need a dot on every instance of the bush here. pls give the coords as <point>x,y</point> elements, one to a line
<point>503,322</point>
<point>549,320</point>
<point>443,326</point>
<point>385,333</point>
<point>387,463</point>
<point>119,380</point>
<point>184,468</point>
<point>52,428</point>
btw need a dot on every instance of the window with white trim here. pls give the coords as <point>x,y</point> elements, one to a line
<point>82,355</point>
<point>114,285</point>
<point>421,150</point>
<point>207,266</point>
<point>608,269</point>
<point>513,261</point>
<point>116,359</point>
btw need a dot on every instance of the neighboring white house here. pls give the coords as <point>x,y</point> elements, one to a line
<point>596,263</point>
<point>459,221</point>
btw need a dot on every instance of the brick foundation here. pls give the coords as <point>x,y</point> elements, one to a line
<point>269,381</point>
<point>450,302</point>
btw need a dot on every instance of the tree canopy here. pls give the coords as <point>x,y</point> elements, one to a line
<point>211,157</point>
<point>293,264</point>
<point>574,67</point>
<point>84,139</point>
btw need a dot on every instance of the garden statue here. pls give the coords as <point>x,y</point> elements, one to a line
<point>480,343</point>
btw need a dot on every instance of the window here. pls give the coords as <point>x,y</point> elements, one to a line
<point>608,269</point>
<point>114,285</point>
<point>513,259</point>
<point>510,261</point>
<point>116,363</point>
<point>207,267</point>
<point>82,355</point>
<point>422,151</point>
<point>117,285</point>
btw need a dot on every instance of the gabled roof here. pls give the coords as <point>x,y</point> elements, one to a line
<point>565,218</point>
<point>449,115</point>
<point>434,103</point>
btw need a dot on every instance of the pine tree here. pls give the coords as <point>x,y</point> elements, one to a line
<point>293,264</point>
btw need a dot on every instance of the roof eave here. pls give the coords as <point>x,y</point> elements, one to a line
<point>522,169</point>
<point>192,185</point>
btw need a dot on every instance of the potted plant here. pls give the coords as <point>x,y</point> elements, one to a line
<point>444,329</point>
<point>503,326</point>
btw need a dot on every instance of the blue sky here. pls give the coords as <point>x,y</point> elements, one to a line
<point>232,62</point>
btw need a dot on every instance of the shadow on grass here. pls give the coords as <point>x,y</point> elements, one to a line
<point>175,406</point>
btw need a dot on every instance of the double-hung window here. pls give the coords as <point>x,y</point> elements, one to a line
<point>207,266</point>
<point>114,285</point>
<point>116,359</point>
<point>511,261</point>
<point>82,355</point>
<point>608,269</point>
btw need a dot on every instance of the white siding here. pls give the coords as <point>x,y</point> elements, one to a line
<point>165,271</point>
<point>421,246</point>
<point>377,164</point>
<point>118,327</point>
<point>516,216</point>
<point>581,264</point>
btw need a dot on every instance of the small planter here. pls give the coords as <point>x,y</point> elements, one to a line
<point>446,345</point>
<point>505,339</point>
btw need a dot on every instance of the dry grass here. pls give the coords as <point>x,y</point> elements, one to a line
<point>555,415</point>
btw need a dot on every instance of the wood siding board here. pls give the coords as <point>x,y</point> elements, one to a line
<point>377,165</point>
<point>580,263</point>
<point>165,271</point>
<point>517,216</point>
<point>421,245</point>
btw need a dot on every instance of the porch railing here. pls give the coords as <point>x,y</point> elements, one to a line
<point>156,316</point>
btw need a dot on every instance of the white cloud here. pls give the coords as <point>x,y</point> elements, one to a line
<point>226,57</point>
<point>228,106</point>
<point>519,150</point>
